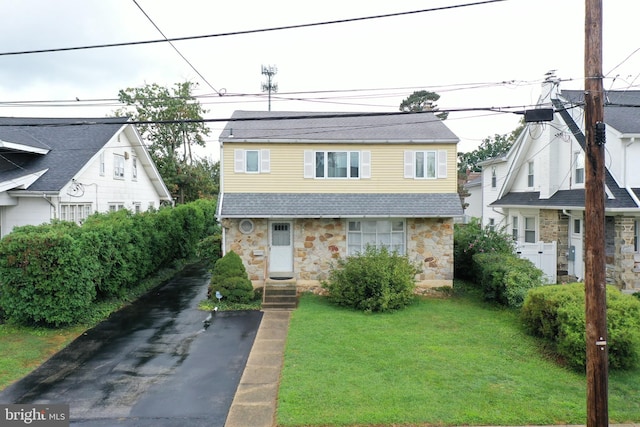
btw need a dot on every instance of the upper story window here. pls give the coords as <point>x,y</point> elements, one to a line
<point>102,165</point>
<point>337,164</point>
<point>578,162</point>
<point>425,164</point>
<point>530,174</point>
<point>494,180</point>
<point>252,161</point>
<point>118,166</point>
<point>134,168</point>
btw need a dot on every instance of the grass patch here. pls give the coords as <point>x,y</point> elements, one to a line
<point>209,305</point>
<point>451,361</point>
<point>25,348</point>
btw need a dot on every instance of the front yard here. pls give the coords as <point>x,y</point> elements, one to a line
<point>451,361</point>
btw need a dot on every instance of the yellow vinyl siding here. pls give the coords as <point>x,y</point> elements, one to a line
<point>287,170</point>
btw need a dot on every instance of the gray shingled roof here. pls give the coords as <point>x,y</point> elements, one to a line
<point>314,205</point>
<point>287,126</point>
<point>71,145</point>
<point>616,115</point>
<point>562,199</point>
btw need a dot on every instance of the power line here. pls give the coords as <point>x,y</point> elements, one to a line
<point>177,51</point>
<point>261,30</point>
<point>505,110</point>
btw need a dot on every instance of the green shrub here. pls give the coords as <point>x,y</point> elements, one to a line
<point>470,239</point>
<point>46,277</point>
<point>557,314</point>
<point>209,249</point>
<point>376,280</point>
<point>52,273</point>
<point>229,277</point>
<point>505,278</point>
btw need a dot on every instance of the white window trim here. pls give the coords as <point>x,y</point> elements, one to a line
<point>364,164</point>
<point>103,167</point>
<point>118,172</point>
<point>576,156</point>
<point>402,250</point>
<point>441,157</point>
<point>531,177</point>
<point>240,160</point>
<point>134,168</point>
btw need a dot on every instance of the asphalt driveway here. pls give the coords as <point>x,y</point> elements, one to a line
<point>154,363</point>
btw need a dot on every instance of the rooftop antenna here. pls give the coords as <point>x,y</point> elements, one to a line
<point>269,86</point>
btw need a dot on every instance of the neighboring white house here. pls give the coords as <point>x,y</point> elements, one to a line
<point>70,168</point>
<point>536,191</point>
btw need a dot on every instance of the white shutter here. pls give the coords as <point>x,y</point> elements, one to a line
<point>238,160</point>
<point>408,164</point>
<point>365,164</point>
<point>442,163</point>
<point>265,161</point>
<point>308,164</point>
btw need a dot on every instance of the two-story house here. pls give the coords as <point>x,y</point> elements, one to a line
<point>536,191</point>
<point>69,168</point>
<point>299,190</point>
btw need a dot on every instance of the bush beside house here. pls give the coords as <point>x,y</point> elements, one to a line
<point>52,273</point>
<point>376,280</point>
<point>229,277</point>
<point>557,314</point>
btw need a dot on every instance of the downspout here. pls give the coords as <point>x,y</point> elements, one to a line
<point>55,210</point>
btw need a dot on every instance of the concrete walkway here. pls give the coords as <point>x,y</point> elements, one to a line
<point>254,404</point>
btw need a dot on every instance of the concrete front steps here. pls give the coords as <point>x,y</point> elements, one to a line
<point>280,294</point>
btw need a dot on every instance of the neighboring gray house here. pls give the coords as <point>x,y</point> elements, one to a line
<point>299,190</point>
<point>539,184</point>
<point>69,168</point>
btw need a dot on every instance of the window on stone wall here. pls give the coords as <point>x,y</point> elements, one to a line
<point>378,233</point>
<point>635,236</point>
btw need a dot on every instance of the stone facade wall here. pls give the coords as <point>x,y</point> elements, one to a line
<point>625,257</point>
<point>253,248</point>
<point>319,242</point>
<point>430,245</point>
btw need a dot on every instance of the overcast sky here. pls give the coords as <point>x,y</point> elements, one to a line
<point>491,55</point>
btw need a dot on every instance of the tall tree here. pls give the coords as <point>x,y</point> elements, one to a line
<point>422,100</point>
<point>491,146</point>
<point>174,127</point>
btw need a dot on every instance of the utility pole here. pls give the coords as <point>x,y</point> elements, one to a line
<point>595,261</point>
<point>269,86</point>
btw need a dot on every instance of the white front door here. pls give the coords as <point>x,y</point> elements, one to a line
<point>280,248</point>
<point>576,263</point>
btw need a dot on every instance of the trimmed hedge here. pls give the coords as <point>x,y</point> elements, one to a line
<point>51,274</point>
<point>46,276</point>
<point>376,280</point>
<point>229,277</point>
<point>506,278</point>
<point>557,314</point>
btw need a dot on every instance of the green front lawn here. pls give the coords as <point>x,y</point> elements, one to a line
<point>449,361</point>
